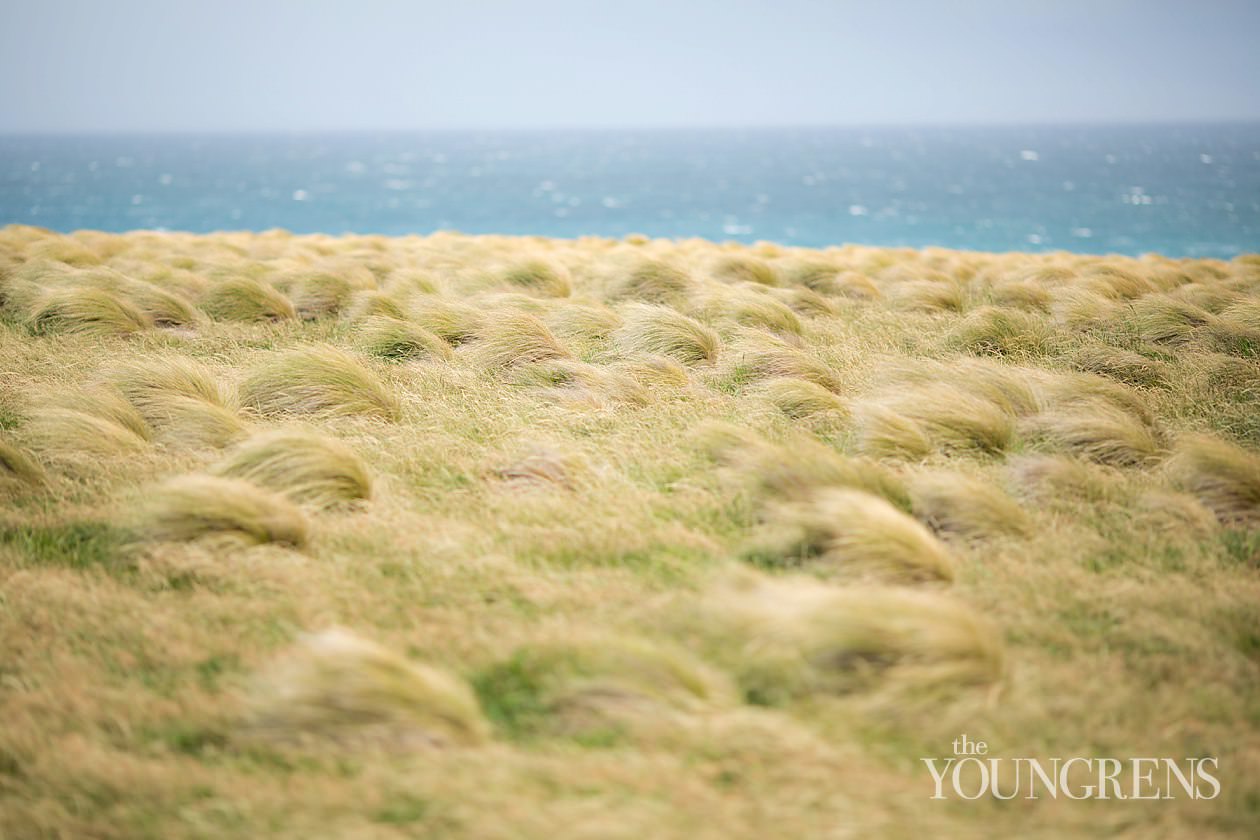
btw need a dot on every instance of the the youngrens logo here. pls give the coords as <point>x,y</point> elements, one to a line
<point>971,774</point>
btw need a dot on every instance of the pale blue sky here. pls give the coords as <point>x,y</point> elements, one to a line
<point>241,65</point>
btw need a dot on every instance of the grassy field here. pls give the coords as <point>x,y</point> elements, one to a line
<point>491,537</point>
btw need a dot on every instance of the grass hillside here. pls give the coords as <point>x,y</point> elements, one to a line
<point>490,537</point>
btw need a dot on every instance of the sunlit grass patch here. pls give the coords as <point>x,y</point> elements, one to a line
<point>227,509</point>
<point>791,637</point>
<point>578,687</point>
<point>86,311</point>
<point>336,687</point>
<point>397,339</point>
<point>541,278</point>
<point>307,467</point>
<point>246,299</point>
<point>954,503</point>
<point>1224,477</point>
<point>318,380</point>
<point>662,331</point>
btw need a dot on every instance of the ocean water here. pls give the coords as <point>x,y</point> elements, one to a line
<point>1186,190</point>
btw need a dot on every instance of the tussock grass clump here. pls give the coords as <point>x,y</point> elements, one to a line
<point>1060,477</point>
<point>336,687</point>
<point>455,323</point>
<point>143,382</point>
<point>1081,309</point>
<point>653,282</point>
<point>397,339</point>
<point>654,370</point>
<point>953,503</point>
<point>792,637</point>
<point>753,309</point>
<point>320,294</point>
<point>1223,476</point>
<point>660,330</point>
<point>1122,365</point>
<point>740,269</point>
<point>917,419</point>
<point>243,298</point>
<point>993,331</point>
<point>318,380</point>
<point>807,302</point>
<point>63,431</point>
<point>855,533</point>
<point>1022,294</point>
<point>761,357</point>
<point>63,250</point>
<point>517,339</point>
<point>1101,431</point>
<point>373,303</point>
<point>226,509</point>
<point>86,311</point>
<point>928,296</point>
<point>182,399</point>
<point>543,467</point>
<point>797,469</point>
<point>540,278</point>
<point>575,687</point>
<point>799,398</point>
<point>18,467</point>
<point>307,467</point>
<point>1167,320</point>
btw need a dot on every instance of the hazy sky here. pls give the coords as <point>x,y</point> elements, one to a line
<point>231,65</point>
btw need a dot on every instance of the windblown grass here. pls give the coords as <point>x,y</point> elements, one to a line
<point>662,331</point>
<point>318,380</point>
<point>714,540</point>
<point>246,299</point>
<point>857,534</point>
<point>336,687</point>
<point>792,637</point>
<point>1224,477</point>
<point>226,509</point>
<point>306,467</point>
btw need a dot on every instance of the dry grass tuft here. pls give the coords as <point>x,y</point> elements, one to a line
<point>246,299</point>
<point>182,399</point>
<point>539,277</point>
<point>455,323</point>
<point>223,509</point>
<point>1167,320</point>
<point>660,330</point>
<point>18,467</point>
<point>336,687</point>
<point>855,533</point>
<point>1100,431</point>
<point>308,468</point>
<point>994,331</point>
<point>758,357</point>
<point>799,398</point>
<point>735,269</point>
<point>791,637</point>
<point>914,420</point>
<point>318,380</point>
<point>575,687</point>
<point>320,294</point>
<point>928,296</point>
<point>397,339</point>
<point>63,432</point>
<point>1122,365</point>
<point>953,503</point>
<point>654,282</point>
<point>1224,477</point>
<point>86,311</point>
<point>511,340</point>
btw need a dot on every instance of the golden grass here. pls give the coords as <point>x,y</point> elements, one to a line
<point>228,509</point>
<point>334,686</point>
<point>662,331</point>
<point>715,543</point>
<point>855,534</point>
<point>790,637</point>
<point>318,380</point>
<point>306,467</point>
<point>1224,477</point>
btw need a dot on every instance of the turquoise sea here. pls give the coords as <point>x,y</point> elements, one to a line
<point>1183,190</point>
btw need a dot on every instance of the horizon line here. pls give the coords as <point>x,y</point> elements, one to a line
<point>1170,122</point>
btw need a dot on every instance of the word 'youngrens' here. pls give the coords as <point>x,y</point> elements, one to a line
<point>969,774</point>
